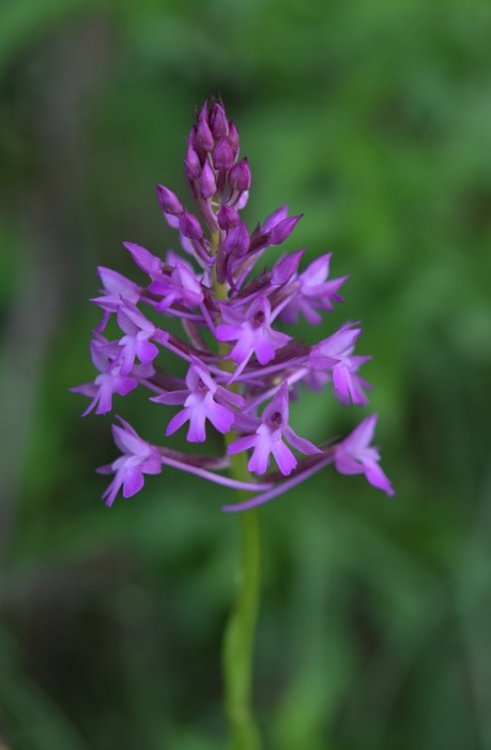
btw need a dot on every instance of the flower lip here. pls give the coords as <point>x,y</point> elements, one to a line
<point>276,420</point>
<point>258,319</point>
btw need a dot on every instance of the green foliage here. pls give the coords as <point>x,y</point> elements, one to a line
<point>373,118</point>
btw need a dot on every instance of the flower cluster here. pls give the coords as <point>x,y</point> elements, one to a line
<point>240,385</point>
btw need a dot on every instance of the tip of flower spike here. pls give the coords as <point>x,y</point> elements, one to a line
<point>204,136</point>
<point>218,121</point>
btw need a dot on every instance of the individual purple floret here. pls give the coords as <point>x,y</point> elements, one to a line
<point>334,356</point>
<point>136,343</point>
<point>251,330</point>
<point>241,366</point>
<point>313,292</point>
<point>269,439</point>
<point>203,400</point>
<point>110,381</point>
<point>355,455</point>
<point>139,458</point>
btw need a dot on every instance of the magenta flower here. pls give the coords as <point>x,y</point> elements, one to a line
<point>115,288</point>
<point>334,357</point>
<point>242,367</point>
<point>203,399</point>
<point>136,343</point>
<point>139,458</point>
<point>179,287</point>
<point>251,329</point>
<point>110,381</point>
<point>268,439</point>
<point>355,455</point>
<point>313,292</point>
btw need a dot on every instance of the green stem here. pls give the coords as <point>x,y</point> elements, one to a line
<point>238,645</point>
<point>238,642</point>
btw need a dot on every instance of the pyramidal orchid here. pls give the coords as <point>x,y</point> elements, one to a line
<point>241,365</point>
<point>239,386</point>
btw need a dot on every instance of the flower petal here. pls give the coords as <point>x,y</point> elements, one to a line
<point>133,481</point>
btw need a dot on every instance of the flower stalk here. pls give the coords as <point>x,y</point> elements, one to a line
<point>238,643</point>
<point>238,640</point>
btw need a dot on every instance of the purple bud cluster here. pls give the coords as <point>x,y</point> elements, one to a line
<point>241,384</point>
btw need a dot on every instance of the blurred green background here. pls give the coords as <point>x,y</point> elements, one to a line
<point>373,118</point>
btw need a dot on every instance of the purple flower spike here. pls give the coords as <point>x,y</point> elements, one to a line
<point>268,440</point>
<point>355,455</point>
<point>139,458</point>
<point>203,399</point>
<point>252,332</point>
<point>241,364</point>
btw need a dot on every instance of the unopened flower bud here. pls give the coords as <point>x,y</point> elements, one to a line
<point>285,267</point>
<point>281,231</point>
<point>227,217</point>
<point>207,182</point>
<point>233,138</point>
<point>190,226</point>
<point>204,136</point>
<point>240,176</point>
<point>223,156</point>
<point>237,241</point>
<point>192,163</point>
<point>169,201</point>
<point>218,121</point>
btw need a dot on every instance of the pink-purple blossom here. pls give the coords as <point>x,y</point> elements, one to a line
<point>203,399</point>
<point>356,455</point>
<point>270,436</point>
<point>312,292</point>
<point>334,357</point>
<point>139,458</point>
<point>241,365</point>
<point>252,331</point>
